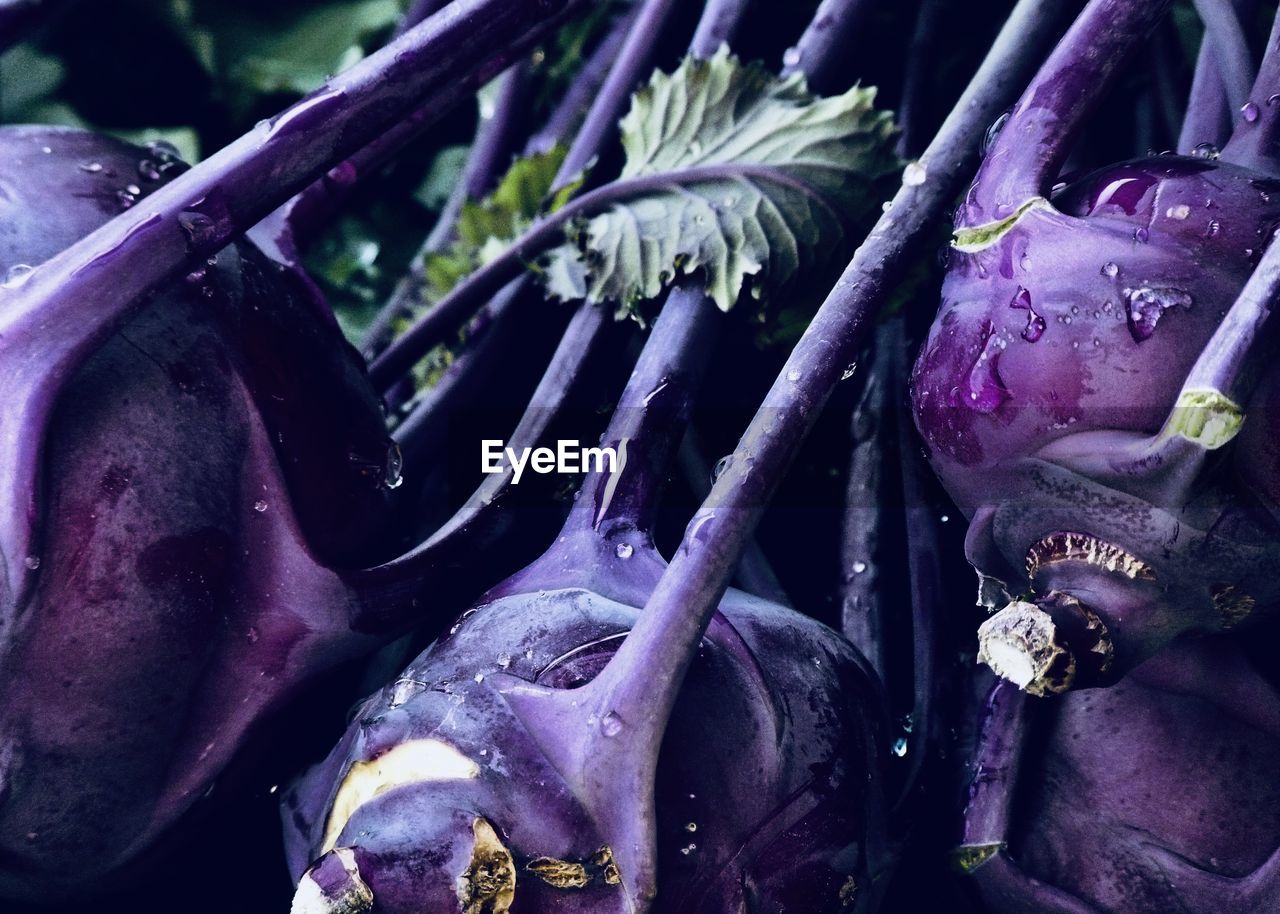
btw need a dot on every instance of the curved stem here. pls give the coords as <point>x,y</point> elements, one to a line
<point>637,689</point>
<point>863,602</point>
<point>1223,32</point>
<point>824,43</point>
<point>718,25</point>
<point>1209,112</point>
<point>651,415</point>
<point>447,315</point>
<point>489,150</point>
<point>924,572</point>
<point>919,83</point>
<point>754,573</point>
<point>1255,141</point>
<point>995,769</point>
<point>1025,158</point>
<point>47,326</point>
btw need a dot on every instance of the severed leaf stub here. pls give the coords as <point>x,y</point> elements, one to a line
<point>746,177</point>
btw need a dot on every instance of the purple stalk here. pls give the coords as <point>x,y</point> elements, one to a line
<point>1209,110</point>
<point>863,605</point>
<point>198,213</point>
<point>718,25</point>
<point>1027,155</point>
<point>823,45</point>
<point>1255,141</point>
<point>568,115</point>
<point>925,575</point>
<point>1224,34</point>
<point>754,573</point>
<point>983,852</point>
<point>493,144</point>
<point>447,314</point>
<point>609,105</point>
<point>918,83</point>
<point>606,734</point>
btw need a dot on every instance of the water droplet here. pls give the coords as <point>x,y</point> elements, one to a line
<point>478,677</point>
<point>793,376</point>
<point>126,199</point>
<point>1147,305</point>
<point>900,747</point>
<point>17,275</point>
<point>946,518</point>
<point>504,661</point>
<point>528,655</point>
<point>1035,322</point>
<point>691,827</point>
<point>260,506</point>
<point>47,150</point>
<point>721,465</point>
<point>859,567</point>
<point>791,57</point>
<point>1179,212</point>
<point>914,174</point>
<point>993,131</point>
<point>624,550</point>
<point>1141,235</point>
<point>1272,99</point>
<point>1212,228</point>
<point>32,562</point>
<point>986,391</point>
<point>1249,112</point>
<point>148,170</point>
<point>92,168</point>
<point>1206,151</point>
<point>393,467</point>
<point>886,206</point>
<point>689,849</point>
<point>611,724</point>
<point>849,371</point>
<point>252,635</point>
<point>405,689</point>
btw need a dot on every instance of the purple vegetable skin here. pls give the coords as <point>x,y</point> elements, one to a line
<point>1071,400</point>
<point>1110,808</point>
<point>173,462</point>
<point>762,777</point>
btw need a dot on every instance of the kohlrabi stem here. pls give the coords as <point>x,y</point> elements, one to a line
<point>919,82</point>
<point>605,736</point>
<point>754,574</point>
<point>448,314</point>
<point>1225,36</point>
<point>492,146</point>
<point>1209,112</point>
<point>995,775</point>
<point>568,115</point>
<point>823,45</point>
<point>1024,160</point>
<point>718,25</point>
<point>862,594</point>
<point>1255,140</point>
<point>651,415</point>
<point>924,583</point>
<point>199,212</point>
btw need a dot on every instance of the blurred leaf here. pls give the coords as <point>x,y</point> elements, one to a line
<point>184,139</point>
<point>446,171</point>
<point>485,227</point>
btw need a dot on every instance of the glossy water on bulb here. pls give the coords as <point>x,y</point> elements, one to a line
<point>1249,112</point>
<point>986,391</point>
<point>989,138</point>
<point>1036,323</point>
<point>307,114</point>
<point>611,724</point>
<point>1146,306</point>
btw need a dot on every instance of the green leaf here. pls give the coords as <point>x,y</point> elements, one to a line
<point>446,171</point>
<point>765,180</point>
<point>486,227</point>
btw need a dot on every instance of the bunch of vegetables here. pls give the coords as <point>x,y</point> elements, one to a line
<point>238,394</point>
